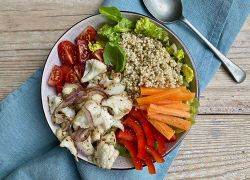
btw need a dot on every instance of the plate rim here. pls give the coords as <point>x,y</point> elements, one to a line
<point>160,24</point>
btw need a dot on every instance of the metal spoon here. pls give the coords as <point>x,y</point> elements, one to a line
<point>169,11</point>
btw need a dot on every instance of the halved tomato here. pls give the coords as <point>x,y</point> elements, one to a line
<point>59,88</point>
<point>83,51</point>
<point>67,52</point>
<point>65,69</point>
<point>98,55</point>
<point>71,77</point>
<point>56,76</point>
<point>88,34</point>
<point>79,68</point>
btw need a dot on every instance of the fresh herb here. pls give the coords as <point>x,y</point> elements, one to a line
<point>122,150</point>
<point>114,56</point>
<point>111,13</point>
<point>146,27</point>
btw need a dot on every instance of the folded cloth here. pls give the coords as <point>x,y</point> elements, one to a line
<point>28,148</point>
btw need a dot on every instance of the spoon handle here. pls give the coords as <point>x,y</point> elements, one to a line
<point>237,73</point>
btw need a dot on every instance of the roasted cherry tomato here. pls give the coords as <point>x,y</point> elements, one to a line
<point>83,51</point>
<point>79,68</point>
<point>130,146</point>
<point>88,34</point>
<point>71,77</point>
<point>67,52</point>
<point>65,69</point>
<point>98,54</point>
<point>56,76</point>
<point>59,88</point>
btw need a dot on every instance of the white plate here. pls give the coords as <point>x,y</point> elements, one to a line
<point>97,21</point>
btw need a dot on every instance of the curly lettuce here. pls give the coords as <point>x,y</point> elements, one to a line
<point>108,32</point>
<point>95,46</point>
<point>146,27</point>
<point>187,73</point>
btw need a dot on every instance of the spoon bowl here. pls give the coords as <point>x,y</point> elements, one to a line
<point>166,11</point>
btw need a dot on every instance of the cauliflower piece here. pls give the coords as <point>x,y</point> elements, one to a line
<point>60,134</point>
<point>115,89</point>
<point>120,104</point>
<point>69,88</point>
<point>116,77</point>
<point>92,69</point>
<point>97,132</point>
<point>105,155</point>
<point>93,107</point>
<point>69,144</point>
<point>80,120</point>
<point>97,98</point>
<point>67,112</point>
<point>109,138</point>
<point>85,146</point>
<point>54,102</point>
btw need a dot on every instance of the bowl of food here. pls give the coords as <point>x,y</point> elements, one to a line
<point>119,90</point>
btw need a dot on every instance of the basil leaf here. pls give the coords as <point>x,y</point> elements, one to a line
<point>114,56</point>
<point>124,25</point>
<point>111,13</point>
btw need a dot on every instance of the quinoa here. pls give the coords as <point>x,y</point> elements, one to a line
<point>148,64</point>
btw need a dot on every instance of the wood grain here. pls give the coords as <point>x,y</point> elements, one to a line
<point>218,145</point>
<point>216,148</point>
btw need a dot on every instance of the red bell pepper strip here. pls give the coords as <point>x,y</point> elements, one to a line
<point>173,138</point>
<point>157,157</point>
<point>161,141</point>
<point>150,164</point>
<point>135,125</point>
<point>133,153</point>
<point>128,134</point>
<point>137,114</point>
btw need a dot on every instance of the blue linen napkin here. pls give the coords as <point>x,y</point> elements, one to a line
<point>29,150</point>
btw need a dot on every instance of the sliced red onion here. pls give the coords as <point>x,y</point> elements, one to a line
<point>81,134</point>
<point>88,116</point>
<point>96,90</point>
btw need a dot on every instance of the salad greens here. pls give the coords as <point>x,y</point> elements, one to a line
<point>124,25</point>
<point>194,105</point>
<point>187,73</point>
<point>179,54</point>
<point>146,27</point>
<point>108,32</point>
<point>114,56</point>
<point>95,46</point>
<point>122,150</point>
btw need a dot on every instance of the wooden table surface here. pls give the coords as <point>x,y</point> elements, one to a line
<point>218,145</point>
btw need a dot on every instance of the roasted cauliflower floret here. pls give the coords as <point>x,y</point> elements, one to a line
<point>94,108</point>
<point>81,120</point>
<point>115,89</point>
<point>97,98</point>
<point>93,68</point>
<point>105,155</point>
<point>67,112</point>
<point>85,146</point>
<point>60,134</point>
<point>69,88</point>
<point>109,138</point>
<point>120,104</point>
<point>54,102</point>
<point>69,144</point>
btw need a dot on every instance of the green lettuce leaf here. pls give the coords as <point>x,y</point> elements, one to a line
<point>194,108</point>
<point>111,13</point>
<point>179,54</point>
<point>114,56</point>
<point>171,49</point>
<point>124,25</point>
<point>146,27</point>
<point>108,32</point>
<point>187,73</point>
<point>95,46</point>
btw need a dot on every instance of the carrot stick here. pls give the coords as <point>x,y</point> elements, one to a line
<point>182,96</point>
<point>167,111</point>
<point>159,96</point>
<point>145,91</point>
<point>166,101</point>
<point>182,106</point>
<point>171,120</point>
<point>164,129</point>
